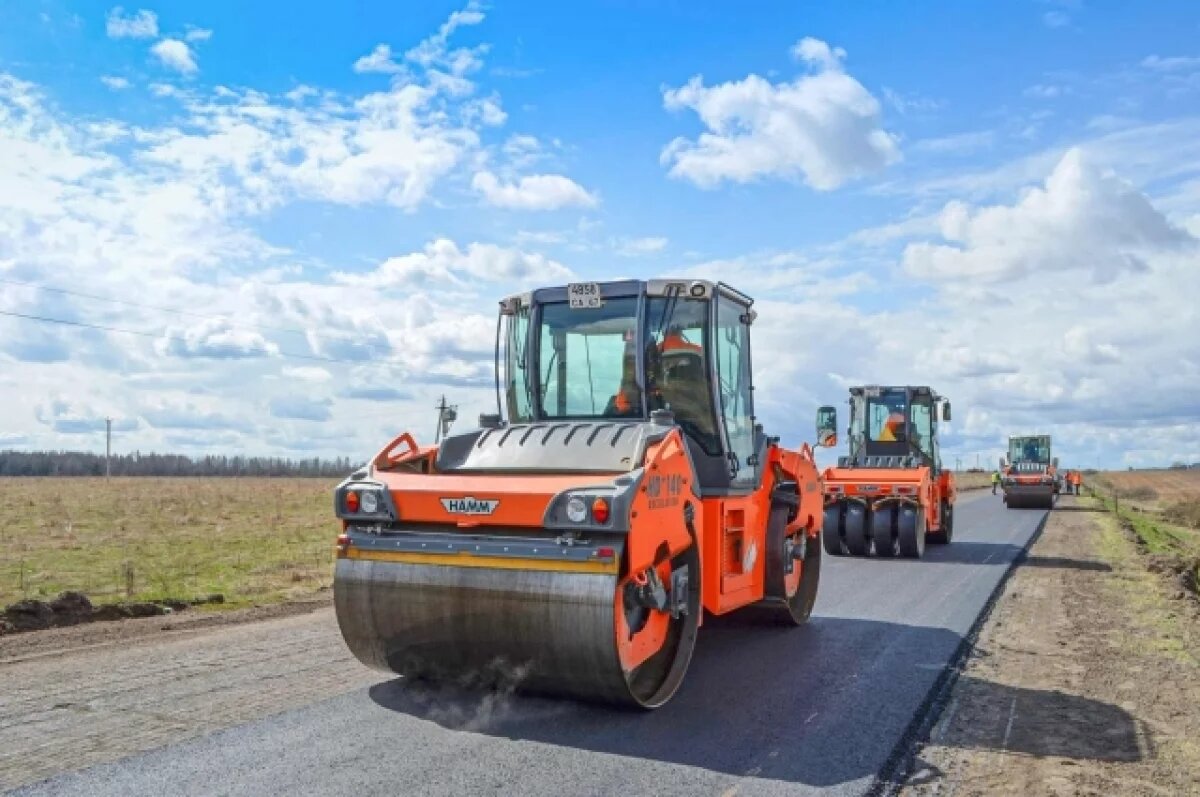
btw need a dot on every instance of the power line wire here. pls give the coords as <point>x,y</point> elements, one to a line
<point>158,308</point>
<point>139,333</point>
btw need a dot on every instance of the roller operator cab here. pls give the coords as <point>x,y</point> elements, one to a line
<point>573,543</point>
<point>890,494</point>
<point>1029,473</point>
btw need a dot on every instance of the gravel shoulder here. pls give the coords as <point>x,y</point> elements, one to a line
<point>86,695</point>
<point>1085,679</point>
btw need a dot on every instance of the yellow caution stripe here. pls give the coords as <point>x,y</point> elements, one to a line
<point>468,559</point>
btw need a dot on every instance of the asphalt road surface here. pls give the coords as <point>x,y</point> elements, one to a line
<point>819,709</point>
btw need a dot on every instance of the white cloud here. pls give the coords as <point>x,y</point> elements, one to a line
<point>1082,219</point>
<point>1043,91</point>
<point>637,247</point>
<point>307,373</point>
<point>198,34</point>
<point>1171,63</point>
<point>140,25</point>
<point>534,192</point>
<point>910,103</point>
<point>378,60</point>
<point>443,262</point>
<point>115,83</point>
<point>824,127</point>
<point>433,52</point>
<point>217,339</point>
<point>301,408</point>
<point>175,54</point>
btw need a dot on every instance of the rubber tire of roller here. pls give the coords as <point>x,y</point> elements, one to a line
<point>858,539</point>
<point>910,531</point>
<point>797,609</point>
<point>883,531</point>
<point>831,531</point>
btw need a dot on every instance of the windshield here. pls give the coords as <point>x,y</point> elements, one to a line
<point>1029,449</point>
<point>586,360</point>
<point>885,417</point>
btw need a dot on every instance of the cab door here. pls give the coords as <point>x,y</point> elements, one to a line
<point>743,520</point>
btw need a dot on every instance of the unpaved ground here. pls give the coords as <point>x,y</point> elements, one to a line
<point>79,696</point>
<point>1085,680</point>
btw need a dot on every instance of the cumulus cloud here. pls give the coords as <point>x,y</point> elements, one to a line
<point>175,54</point>
<point>307,373</point>
<point>198,34</point>
<point>444,262</point>
<point>216,338</point>
<point>378,60</point>
<point>140,25</point>
<point>824,127</point>
<point>534,192</point>
<point>1081,218</point>
<point>115,83</point>
<point>66,416</point>
<point>190,416</point>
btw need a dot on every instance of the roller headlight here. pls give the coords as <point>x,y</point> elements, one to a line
<point>370,502</point>
<point>577,510</point>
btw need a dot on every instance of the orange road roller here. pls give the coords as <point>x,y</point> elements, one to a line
<point>890,495</point>
<point>1029,474</point>
<point>573,543</point>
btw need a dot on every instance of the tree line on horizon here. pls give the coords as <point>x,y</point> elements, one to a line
<point>84,463</point>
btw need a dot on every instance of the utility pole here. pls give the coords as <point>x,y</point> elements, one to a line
<point>107,446</point>
<point>447,414</point>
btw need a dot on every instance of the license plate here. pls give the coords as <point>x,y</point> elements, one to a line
<point>583,295</point>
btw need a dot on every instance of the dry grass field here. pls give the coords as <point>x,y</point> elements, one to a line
<point>252,540</point>
<point>1162,486</point>
<point>965,480</point>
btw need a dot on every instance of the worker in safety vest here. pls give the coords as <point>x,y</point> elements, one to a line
<point>893,428</point>
<point>628,399</point>
<point>995,480</point>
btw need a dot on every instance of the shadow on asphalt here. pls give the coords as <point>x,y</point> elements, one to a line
<point>863,683</point>
<point>820,705</point>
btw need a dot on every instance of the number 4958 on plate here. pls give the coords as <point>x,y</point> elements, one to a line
<point>583,295</point>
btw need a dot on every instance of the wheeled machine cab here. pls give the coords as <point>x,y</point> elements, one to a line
<point>890,494</point>
<point>573,543</point>
<point>1029,473</point>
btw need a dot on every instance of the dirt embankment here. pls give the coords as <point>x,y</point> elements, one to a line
<point>1085,680</point>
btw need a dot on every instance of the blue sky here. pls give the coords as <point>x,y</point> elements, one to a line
<point>999,199</point>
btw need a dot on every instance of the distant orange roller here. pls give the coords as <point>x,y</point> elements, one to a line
<point>890,495</point>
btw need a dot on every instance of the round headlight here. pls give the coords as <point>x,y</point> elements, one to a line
<point>370,502</point>
<point>576,509</point>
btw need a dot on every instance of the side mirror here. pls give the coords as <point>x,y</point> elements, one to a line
<point>945,410</point>
<point>827,427</point>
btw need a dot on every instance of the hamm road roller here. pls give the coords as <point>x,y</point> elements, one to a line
<point>890,495</point>
<point>1029,474</point>
<point>572,543</point>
